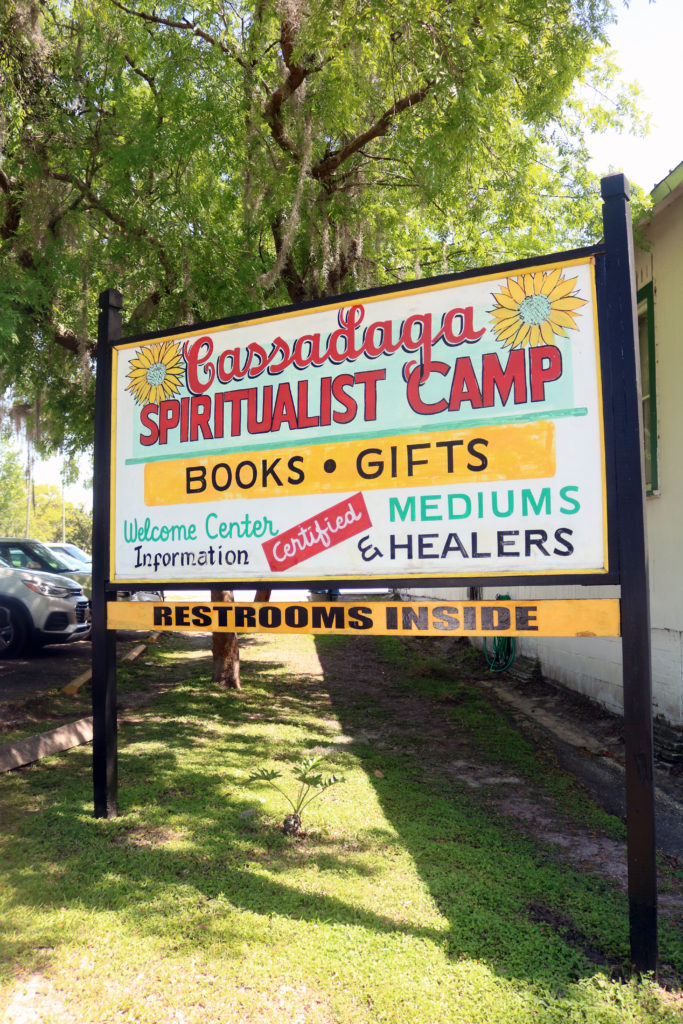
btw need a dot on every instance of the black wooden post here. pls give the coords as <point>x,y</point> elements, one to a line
<point>621,311</point>
<point>103,640</point>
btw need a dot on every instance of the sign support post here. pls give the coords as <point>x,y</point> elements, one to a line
<point>103,639</point>
<point>633,571</point>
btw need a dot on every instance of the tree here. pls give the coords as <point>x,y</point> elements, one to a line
<point>48,508</point>
<point>220,157</point>
<point>12,490</point>
<point>216,158</point>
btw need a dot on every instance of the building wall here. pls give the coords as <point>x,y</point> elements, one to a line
<point>593,666</point>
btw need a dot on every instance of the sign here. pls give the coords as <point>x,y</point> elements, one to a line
<point>425,618</point>
<point>443,430</point>
<point>447,431</point>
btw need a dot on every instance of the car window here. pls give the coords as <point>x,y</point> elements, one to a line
<point>17,557</point>
<point>77,553</point>
<point>50,558</point>
<point>28,555</point>
<point>69,561</point>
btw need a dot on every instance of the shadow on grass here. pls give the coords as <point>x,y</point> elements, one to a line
<point>507,899</point>
<point>186,826</point>
<point>184,821</point>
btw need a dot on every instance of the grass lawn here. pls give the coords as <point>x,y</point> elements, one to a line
<point>413,896</point>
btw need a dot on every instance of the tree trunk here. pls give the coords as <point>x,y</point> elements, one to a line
<point>226,654</point>
<point>262,595</point>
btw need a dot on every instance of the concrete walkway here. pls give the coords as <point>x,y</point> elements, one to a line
<point>589,744</point>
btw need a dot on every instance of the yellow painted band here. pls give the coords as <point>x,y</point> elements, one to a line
<point>585,618</point>
<point>511,452</point>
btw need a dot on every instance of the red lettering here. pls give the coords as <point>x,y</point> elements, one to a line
<point>304,420</point>
<point>465,387</point>
<point>495,378</point>
<point>349,320</point>
<point>254,425</point>
<point>325,401</point>
<point>545,365</point>
<point>369,379</point>
<point>312,343</point>
<point>424,339</point>
<point>235,398</point>
<point>344,380</point>
<point>279,346</point>
<point>169,417</point>
<point>218,407</point>
<point>232,370</point>
<point>465,327</point>
<point>146,420</point>
<point>197,353</point>
<point>414,377</point>
<point>184,418</point>
<point>383,327</point>
<point>200,411</point>
<point>284,410</point>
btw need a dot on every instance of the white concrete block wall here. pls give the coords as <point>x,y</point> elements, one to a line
<point>590,666</point>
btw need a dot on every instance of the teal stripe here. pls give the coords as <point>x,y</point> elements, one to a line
<point>290,442</point>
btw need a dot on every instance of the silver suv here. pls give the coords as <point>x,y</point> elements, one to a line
<point>42,608</point>
<point>24,553</point>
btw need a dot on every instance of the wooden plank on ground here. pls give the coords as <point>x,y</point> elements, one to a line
<point>14,755</point>
<point>134,652</point>
<point>74,686</point>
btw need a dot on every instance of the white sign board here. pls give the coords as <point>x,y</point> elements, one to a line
<point>452,429</point>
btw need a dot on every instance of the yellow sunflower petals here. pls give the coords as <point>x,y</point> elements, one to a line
<point>558,319</point>
<point>506,301</point>
<point>508,331</point>
<point>503,312</point>
<point>538,282</point>
<point>528,284</point>
<point>551,279</point>
<point>516,291</point>
<point>571,302</point>
<point>524,332</point>
<point>562,288</point>
<point>547,332</point>
<point>511,318</point>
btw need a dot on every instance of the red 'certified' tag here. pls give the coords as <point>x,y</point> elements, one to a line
<point>318,533</point>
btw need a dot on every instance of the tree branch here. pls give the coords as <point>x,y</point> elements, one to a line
<point>186,26</point>
<point>12,218</point>
<point>296,75</point>
<point>326,167</point>
<point>94,202</point>
<point>66,338</point>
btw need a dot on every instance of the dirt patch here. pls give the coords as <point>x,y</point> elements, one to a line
<point>427,729</point>
<point>34,1001</point>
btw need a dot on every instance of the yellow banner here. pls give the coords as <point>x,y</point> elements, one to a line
<point>510,452</point>
<point>592,617</point>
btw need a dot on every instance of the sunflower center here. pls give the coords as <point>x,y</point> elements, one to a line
<point>535,309</point>
<point>156,374</point>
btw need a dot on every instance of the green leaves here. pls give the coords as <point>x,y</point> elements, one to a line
<point>235,156</point>
<point>312,784</point>
<point>264,775</point>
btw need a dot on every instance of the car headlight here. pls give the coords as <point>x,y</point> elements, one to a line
<point>52,589</point>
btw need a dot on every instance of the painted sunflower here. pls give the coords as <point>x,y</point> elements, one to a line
<point>533,308</point>
<point>155,372</point>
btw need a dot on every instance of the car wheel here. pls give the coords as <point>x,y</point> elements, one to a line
<point>13,633</point>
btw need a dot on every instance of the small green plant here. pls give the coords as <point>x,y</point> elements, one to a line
<point>312,784</point>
